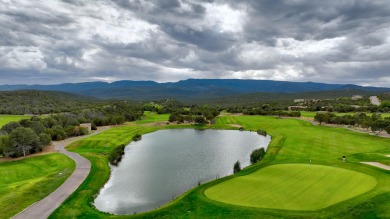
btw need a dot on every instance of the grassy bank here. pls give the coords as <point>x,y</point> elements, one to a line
<point>27,181</point>
<point>4,119</point>
<point>294,141</point>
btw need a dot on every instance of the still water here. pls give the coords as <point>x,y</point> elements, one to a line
<point>167,163</point>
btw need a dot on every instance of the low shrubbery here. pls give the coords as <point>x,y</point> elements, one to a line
<point>237,167</point>
<point>116,155</point>
<point>261,132</point>
<point>257,155</point>
<point>137,137</point>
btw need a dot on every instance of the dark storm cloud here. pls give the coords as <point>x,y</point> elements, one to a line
<point>342,41</point>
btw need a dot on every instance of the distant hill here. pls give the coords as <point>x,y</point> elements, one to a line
<point>42,102</point>
<point>189,90</point>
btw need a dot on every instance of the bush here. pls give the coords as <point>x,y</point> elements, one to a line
<point>116,155</point>
<point>257,155</point>
<point>137,137</point>
<point>261,132</point>
<point>200,120</point>
<point>237,167</point>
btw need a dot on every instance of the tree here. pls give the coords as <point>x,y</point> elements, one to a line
<point>44,139</point>
<point>256,155</point>
<point>23,140</point>
<point>173,117</point>
<point>36,126</point>
<point>388,129</point>
<point>200,120</point>
<point>237,167</point>
<point>9,127</point>
<point>58,133</point>
<point>385,104</point>
<point>4,144</point>
<point>320,117</point>
<point>380,125</point>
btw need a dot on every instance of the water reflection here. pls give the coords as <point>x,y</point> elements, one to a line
<point>166,163</point>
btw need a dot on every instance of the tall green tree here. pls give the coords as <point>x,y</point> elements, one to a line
<point>23,140</point>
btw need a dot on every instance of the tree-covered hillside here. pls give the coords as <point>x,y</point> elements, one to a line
<point>42,102</point>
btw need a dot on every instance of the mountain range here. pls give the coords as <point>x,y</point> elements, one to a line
<point>190,89</point>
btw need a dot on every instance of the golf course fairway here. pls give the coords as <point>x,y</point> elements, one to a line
<point>29,180</point>
<point>293,187</point>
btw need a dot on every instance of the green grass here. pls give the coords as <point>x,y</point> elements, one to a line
<point>312,114</point>
<point>293,142</point>
<point>293,187</point>
<point>4,119</point>
<point>24,182</point>
<point>153,117</point>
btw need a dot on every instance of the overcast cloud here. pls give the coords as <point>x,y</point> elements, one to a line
<point>47,42</point>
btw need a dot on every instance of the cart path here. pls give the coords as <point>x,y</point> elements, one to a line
<point>43,208</point>
<point>379,165</point>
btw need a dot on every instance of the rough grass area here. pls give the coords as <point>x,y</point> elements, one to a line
<point>292,187</point>
<point>4,119</point>
<point>27,181</point>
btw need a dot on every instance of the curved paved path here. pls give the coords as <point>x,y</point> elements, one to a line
<point>43,208</point>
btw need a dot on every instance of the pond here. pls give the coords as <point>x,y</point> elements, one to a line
<point>167,163</point>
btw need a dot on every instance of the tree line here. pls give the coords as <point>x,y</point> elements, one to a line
<point>31,135</point>
<point>375,122</point>
<point>43,102</point>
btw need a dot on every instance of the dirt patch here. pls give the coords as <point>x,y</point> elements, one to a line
<point>379,165</point>
<point>388,155</point>
<point>235,125</point>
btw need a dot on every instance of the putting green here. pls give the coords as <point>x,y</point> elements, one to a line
<point>293,187</point>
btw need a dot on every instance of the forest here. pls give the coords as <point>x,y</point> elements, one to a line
<point>58,115</point>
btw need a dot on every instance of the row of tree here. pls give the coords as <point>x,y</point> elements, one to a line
<point>197,114</point>
<point>42,102</point>
<point>375,122</point>
<point>30,135</point>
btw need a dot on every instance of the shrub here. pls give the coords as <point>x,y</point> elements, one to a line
<point>261,132</point>
<point>137,137</point>
<point>116,155</point>
<point>237,167</point>
<point>257,155</point>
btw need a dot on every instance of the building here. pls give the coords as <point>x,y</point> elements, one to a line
<point>296,108</point>
<point>356,97</point>
<point>299,100</point>
<point>88,126</point>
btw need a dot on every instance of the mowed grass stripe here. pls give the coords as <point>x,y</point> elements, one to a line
<point>293,187</point>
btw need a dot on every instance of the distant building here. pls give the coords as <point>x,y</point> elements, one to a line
<point>88,126</point>
<point>299,100</point>
<point>356,97</point>
<point>294,108</point>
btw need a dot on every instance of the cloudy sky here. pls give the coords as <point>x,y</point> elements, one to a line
<point>53,41</point>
